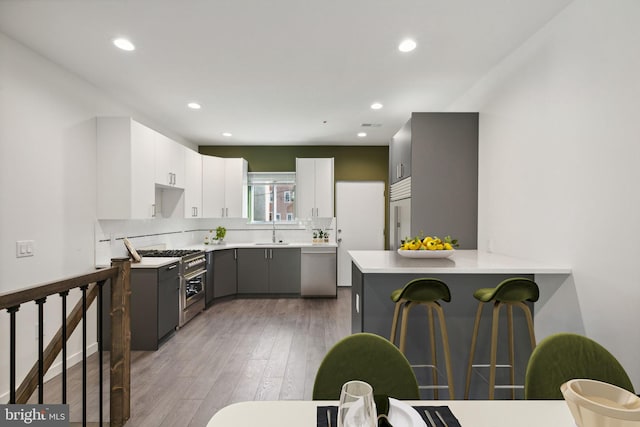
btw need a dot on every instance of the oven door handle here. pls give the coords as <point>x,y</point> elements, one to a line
<point>195,274</point>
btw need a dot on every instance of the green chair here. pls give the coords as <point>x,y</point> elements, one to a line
<point>510,292</point>
<point>563,357</point>
<point>426,292</point>
<point>370,358</point>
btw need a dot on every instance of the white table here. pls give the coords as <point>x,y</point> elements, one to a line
<point>470,413</point>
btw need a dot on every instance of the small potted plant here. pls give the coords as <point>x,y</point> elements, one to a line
<point>315,237</point>
<point>220,233</point>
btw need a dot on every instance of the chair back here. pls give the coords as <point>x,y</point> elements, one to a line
<point>370,358</point>
<point>425,289</point>
<point>517,289</point>
<point>565,356</point>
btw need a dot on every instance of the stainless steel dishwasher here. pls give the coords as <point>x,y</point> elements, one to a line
<point>318,271</point>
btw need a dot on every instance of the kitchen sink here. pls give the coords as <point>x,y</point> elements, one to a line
<point>272,244</point>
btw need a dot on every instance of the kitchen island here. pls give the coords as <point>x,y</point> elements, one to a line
<point>375,274</point>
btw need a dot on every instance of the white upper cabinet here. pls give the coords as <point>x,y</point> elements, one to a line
<point>314,187</point>
<point>169,162</point>
<point>125,169</point>
<point>235,188</point>
<point>224,187</point>
<point>193,184</point>
<point>212,187</point>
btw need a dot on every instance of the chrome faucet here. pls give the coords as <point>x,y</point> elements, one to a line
<point>273,234</point>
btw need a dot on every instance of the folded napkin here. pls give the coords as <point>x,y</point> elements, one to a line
<point>446,413</point>
<point>321,416</point>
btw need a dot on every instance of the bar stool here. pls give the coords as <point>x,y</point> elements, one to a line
<point>426,292</point>
<point>510,292</point>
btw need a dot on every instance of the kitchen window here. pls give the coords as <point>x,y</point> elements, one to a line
<point>271,192</point>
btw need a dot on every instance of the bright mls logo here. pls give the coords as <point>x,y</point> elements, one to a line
<point>34,415</point>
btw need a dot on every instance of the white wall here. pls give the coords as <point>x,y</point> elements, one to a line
<point>47,185</point>
<point>47,182</point>
<point>559,181</point>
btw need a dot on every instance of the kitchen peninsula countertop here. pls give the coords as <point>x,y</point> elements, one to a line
<point>376,274</point>
<point>463,261</point>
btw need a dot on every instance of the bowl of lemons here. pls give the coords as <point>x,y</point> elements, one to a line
<point>427,247</point>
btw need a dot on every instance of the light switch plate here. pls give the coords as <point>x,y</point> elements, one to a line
<point>24,248</point>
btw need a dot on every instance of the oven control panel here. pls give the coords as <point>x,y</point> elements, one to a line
<point>196,262</point>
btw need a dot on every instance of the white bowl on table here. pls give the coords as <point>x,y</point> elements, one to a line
<point>595,403</point>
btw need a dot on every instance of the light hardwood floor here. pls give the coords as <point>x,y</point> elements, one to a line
<point>237,350</point>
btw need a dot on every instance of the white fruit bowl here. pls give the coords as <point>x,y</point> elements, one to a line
<point>426,253</point>
<point>596,404</point>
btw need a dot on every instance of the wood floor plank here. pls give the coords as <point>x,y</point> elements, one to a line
<point>242,349</point>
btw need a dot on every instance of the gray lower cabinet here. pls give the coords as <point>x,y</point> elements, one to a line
<point>253,271</point>
<point>269,271</point>
<point>224,273</point>
<point>284,271</point>
<point>155,305</point>
<point>168,291</point>
<point>209,288</point>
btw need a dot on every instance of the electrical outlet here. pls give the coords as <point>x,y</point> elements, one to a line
<point>24,248</point>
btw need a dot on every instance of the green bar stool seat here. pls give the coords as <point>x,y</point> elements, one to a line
<point>426,292</point>
<point>510,292</point>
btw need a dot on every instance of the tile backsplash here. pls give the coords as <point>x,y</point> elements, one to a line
<point>182,233</point>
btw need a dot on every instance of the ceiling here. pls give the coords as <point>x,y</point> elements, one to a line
<point>278,72</point>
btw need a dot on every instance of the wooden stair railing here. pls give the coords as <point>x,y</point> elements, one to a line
<point>30,382</point>
<point>91,285</point>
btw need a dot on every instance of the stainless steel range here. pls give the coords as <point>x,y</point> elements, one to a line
<point>193,275</point>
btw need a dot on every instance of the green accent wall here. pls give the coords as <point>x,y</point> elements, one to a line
<point>351,163</point>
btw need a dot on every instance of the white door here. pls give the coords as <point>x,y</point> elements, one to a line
<point>359,221</point>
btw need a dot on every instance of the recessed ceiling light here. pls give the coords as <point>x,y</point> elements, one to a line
<point>124,44</point>
<point>376,106</point>
<point>194,106</point>
<point>362,134</point>
<point>227,134</point>
<point>407,45</point>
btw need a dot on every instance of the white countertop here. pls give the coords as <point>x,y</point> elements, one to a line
<point>209,248</point>
<point>461,262</point>
<point>154,262</point>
